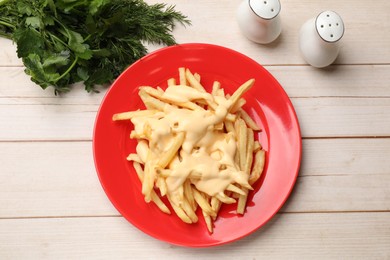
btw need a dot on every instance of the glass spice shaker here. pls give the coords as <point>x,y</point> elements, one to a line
<point>259,20</point>
<point>319,39</point>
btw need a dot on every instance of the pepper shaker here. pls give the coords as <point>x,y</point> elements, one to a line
<point>319,39</point>
<point>259,20</point>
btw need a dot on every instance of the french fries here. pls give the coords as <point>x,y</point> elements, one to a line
<point>195,148</point>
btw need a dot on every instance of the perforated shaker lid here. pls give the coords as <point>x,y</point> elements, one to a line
<point>266,9</point>
<point>330,26</point>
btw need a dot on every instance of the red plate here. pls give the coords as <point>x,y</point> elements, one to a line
<point>267,103</point>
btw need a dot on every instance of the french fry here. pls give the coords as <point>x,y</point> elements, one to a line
<point>149,177</point>
<point>182,76</point>
<point>151,102</point>
<point>237,159</point>
<point>248,164</point>
<point>247,167</point>
<point>237,131</point>
<point>240,91</point>
<point>193,82</point>
<point>235,189</point>
<point>197,77</point>
<point>168,155</point>
<point>230,137</point>
<point>248,120</point>
<point>131,114</point>
<point>242,144</point>
<point>142,150</point>
<point>155,198</point>
<point>135,158</point>
<point>229,127</point>
<point>215,205</point>
<point>160,204</point>
<point>216,87</point>
<point>171,82</point>
<point>189,105</point>
<point>238,105</point>
<point>175,161</point>
<point>147,131</point>
<point>221,92</point>
<point>179,211</point>
<point>256,146</point>
<point>139,171</point>
<point>258,166</point>
<point>188,194</point>
<point>161,185</point>
<point>185,205</point>
<point>153,92</point>
<point>236,125</point>
<point>133,134</point>
<point>249,151</point>
<point>225,199</point>
<point>209,221</point>
<point>202,202</point>
<point>242,180</point>
<point>231,117</point>
<point>160,89</point>
<point>156,94</point>
<point>242,202</point>
<point>213,105</point>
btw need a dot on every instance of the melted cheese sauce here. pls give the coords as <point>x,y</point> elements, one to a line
<point>181,94</point>
<point>206,156</point>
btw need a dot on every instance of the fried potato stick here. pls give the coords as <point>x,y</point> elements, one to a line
<point>168,155</point>
<point>155,198</point>
<point>193,81</point>
<point>240,91</point>
<point>258,166</point>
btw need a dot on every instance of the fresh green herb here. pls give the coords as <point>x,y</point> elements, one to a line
<point>62,42</point>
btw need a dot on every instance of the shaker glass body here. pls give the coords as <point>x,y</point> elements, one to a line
<point>259,20</point>
<point>319,39</point>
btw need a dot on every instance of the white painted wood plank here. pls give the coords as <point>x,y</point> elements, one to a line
<point>298,81</point>
<point>340,192</point>
<point>334,81</point>
<point>291,236</point>
<point>356,156</point>
<point>59,178</point>
<point>366,38</point>
<point>343,117</point>
<point>50,179</point>
<point>319,117</point>
<point>47,122</point>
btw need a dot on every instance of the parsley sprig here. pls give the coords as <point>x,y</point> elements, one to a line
<point>62,42</point>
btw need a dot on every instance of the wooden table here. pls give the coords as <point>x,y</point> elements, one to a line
<point>53,206</point>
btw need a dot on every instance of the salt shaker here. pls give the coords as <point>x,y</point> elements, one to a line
<point>319,39</point>
<point>259,20</point>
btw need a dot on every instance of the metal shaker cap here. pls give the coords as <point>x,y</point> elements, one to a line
<point>330,26</point>
<point>266,9</point>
